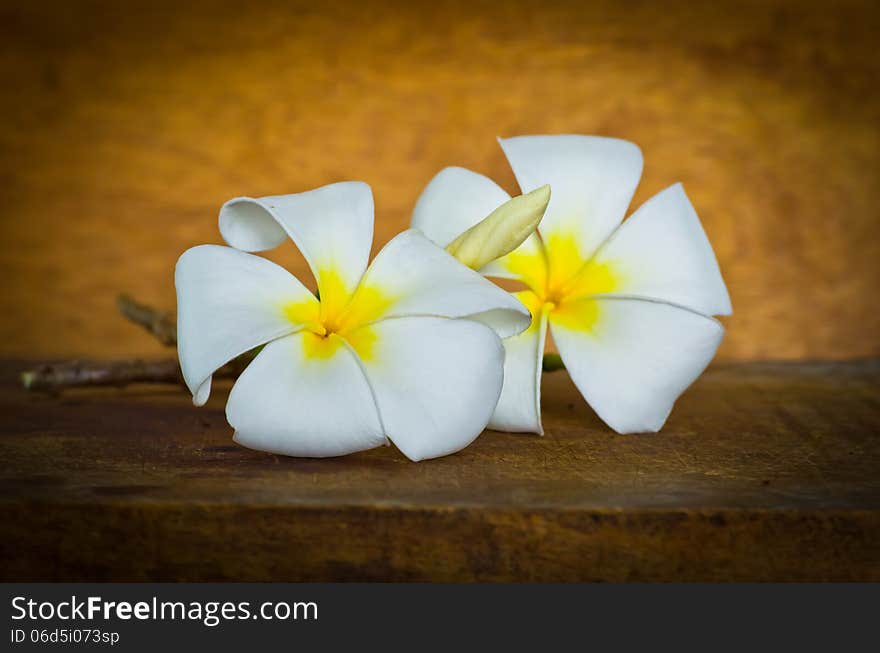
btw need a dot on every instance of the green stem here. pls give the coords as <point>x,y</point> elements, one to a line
<point>553,363</point>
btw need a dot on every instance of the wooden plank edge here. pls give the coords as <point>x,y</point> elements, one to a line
<point>177,542</point>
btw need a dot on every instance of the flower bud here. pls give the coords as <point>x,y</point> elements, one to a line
<point>502,231</point>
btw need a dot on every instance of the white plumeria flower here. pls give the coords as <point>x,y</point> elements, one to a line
<point>628,304</point>
<point>378,356</point>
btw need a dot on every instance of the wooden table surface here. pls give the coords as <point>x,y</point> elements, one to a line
<point>763,472</point>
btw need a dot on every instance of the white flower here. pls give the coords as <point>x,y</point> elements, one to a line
<point>377,357</point>
<point>628,304</point>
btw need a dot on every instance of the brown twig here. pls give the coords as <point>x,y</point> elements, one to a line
<point>54,378</point>
<point>70,374</point>
<point>160,324</point>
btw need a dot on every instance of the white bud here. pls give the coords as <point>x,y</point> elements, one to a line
<point>502,231</point>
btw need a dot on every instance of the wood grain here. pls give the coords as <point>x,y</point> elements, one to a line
<point>124,126</point>
<point>763,472</point>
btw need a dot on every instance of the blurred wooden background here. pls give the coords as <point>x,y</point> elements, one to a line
<point>124,126</point>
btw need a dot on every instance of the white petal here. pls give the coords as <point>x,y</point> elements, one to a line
<point>631,358</point>
<point>592,181</point>
<point>661,252</point>
<point>332,226</point>
<point>413,276</point>
<point>229,302</point>
<point>295,404</point>
<point>454,201</point>
<point>436,380</point>
<point>519,408</point>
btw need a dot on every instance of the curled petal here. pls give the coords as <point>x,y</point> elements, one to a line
<point>631,358</point>
<point>436,380</point>
<point>229,302</point>
<point>332,226</point>
<point>661,252</point>
<point>412,276</point>
<point>304,395</point>
<point>593,180</point>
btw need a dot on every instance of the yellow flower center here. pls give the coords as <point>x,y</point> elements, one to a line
<point>561,281</point>
<point>339,315</point>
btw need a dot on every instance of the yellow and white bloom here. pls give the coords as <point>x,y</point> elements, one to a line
<point>628,304</point>
<point>379,356</point>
